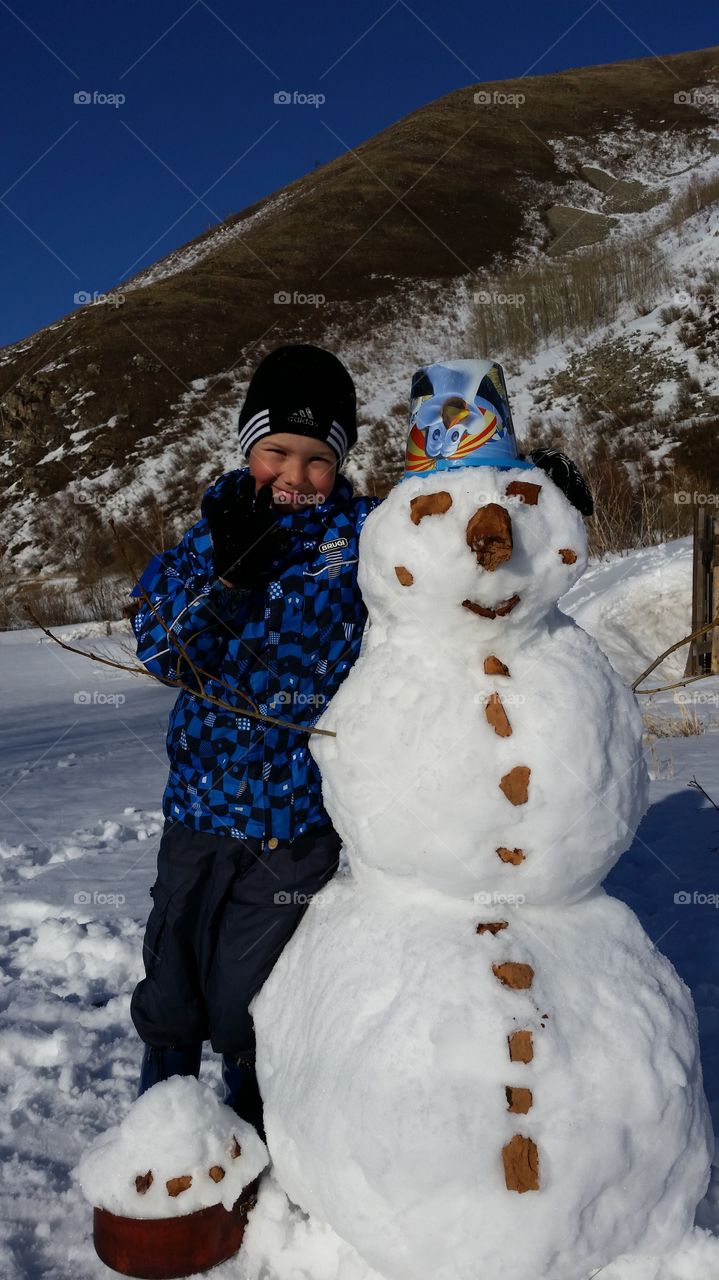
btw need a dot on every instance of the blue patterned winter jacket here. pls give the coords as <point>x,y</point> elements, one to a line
<point>288,646</point>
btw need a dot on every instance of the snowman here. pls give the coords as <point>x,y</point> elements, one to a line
<point>474,1061</point>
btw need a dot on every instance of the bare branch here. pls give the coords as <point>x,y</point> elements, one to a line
<point>678,684</point>
<point>173,638</point>
<point>698,787</point>
<point>700,631</point>
<point>178,684</point>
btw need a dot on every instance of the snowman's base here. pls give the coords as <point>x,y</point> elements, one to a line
<point>168,1248</point>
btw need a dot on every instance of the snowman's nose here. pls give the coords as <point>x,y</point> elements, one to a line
<point>489,534</point>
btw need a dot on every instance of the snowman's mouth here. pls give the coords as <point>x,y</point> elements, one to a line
<point>492,611</point>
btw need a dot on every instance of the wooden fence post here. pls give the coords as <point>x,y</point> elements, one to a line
<point>714,604</point>
<point>703,656</point>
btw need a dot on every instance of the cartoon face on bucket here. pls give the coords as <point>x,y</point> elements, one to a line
<point>459,416</point>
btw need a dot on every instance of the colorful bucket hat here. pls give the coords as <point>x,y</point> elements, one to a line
<point>459,416</point>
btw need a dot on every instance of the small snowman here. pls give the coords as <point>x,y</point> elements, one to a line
<point>473,1060</point>
<point>173,1183</point>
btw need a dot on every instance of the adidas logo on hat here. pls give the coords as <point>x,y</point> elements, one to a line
<point>303,416</point>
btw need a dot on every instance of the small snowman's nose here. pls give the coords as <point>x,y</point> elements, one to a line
<point>489,534</point>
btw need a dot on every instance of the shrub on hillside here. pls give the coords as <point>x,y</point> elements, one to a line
<point>519,310</point>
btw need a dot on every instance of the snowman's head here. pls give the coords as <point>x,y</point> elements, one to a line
<point>471,552</point>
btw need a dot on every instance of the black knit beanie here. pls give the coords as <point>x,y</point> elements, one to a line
<point>305,391</point>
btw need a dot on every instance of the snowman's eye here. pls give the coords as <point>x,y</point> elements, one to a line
<point>529,493</point>
<point>429,504</point>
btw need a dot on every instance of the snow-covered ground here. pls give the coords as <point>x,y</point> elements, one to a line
<point>82,768</point>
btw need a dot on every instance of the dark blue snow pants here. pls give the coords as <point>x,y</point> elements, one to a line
<point>223,911</point>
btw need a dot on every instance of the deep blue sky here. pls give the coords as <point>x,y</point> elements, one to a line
<point>89,193</point>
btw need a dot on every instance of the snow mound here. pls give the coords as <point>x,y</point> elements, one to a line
<point>282,1242</point>
<point>177,1130</point>
<point>637,605</point>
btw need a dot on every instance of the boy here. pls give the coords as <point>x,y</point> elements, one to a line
<point>259,601</point>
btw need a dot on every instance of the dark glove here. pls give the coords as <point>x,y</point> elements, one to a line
<point>246,541</point>
<point>566,476</point>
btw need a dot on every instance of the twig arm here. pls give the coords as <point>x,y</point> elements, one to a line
<point>700,631</point>
<point>176,684</point>
<point>698,787</point>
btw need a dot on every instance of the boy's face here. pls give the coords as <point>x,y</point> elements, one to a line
<point>302,471</point>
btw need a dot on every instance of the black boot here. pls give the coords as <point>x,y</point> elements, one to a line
<point>243,1092</point>
<point>160,1064</point>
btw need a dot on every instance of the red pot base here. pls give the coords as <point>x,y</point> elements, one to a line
<point>168,1248</point>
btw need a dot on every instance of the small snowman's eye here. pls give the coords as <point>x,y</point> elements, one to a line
<point>429,504</point>
<point>523,489</point>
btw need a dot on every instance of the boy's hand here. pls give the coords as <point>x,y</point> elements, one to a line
<point>246,541</point>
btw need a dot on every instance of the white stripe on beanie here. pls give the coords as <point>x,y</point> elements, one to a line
<point>337,440</point>
<point>254,429</point>
<point>259,425</point>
